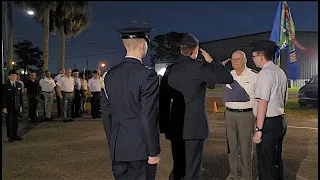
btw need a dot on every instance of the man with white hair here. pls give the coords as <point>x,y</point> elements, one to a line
<point>239,98</point>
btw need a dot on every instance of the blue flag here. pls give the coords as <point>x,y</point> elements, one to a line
<point>283,33</point>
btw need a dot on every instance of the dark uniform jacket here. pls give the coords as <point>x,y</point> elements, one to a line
<point>33,88</point>
<point>183,94</point>
<point>130,111</point>
<point>12,97</point>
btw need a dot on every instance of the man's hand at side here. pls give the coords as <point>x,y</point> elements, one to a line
<point>153,160</point>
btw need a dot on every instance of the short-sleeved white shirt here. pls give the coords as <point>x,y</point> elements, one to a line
<point>247,79</point>
<point>94,85</point>
<point>66,84</point>
<point>271,86</point>
<point>46,84</point>
<point>57,77</point>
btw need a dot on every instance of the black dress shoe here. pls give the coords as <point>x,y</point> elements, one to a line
<point>10,139</point>
<point>98,116</point>
<point>65,121</point>
<point>70,120</point>
<point>17,138</point>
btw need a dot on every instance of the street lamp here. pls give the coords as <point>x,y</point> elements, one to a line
<point>103,65</point>
<point>13,63</point>
<point>30,12</point>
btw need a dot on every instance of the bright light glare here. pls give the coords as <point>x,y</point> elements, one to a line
<point>103,65</point>
<point>30,12</point>
<point>22,72</point>
<point>162,71</point>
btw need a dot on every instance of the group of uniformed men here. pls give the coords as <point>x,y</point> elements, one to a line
<point>72,93</point>
<point>135,108</point>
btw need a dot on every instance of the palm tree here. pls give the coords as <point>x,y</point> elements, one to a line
<point>9,38</point>
<point>41,9</point>
<point>70,18</point>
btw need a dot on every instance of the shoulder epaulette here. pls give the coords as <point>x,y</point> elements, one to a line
<point>254,71</point>
<point>148,67</point>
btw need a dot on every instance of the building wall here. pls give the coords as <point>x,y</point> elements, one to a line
<point>308,66</point>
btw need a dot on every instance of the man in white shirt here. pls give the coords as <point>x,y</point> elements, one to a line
<point>271,93</point>
<point>65,88</point>
<point>238,98</point>
<point>102,85</point>
<point>56,78</point>
<point>75,110</point>
<point>47,85</point>
<point>83,91</point>
<point>94,85</point>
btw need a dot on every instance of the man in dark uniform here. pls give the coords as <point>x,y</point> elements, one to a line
<point>12,104</point>
<point>183,89</point>
<point>33,93</point>
<point>268,108</point>
<point>130,109</point>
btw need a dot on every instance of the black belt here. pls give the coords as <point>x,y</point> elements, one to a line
<point>83,90</point>
<point>96,92</point>
<point>239,110</point>
<point>66,92</point>
<point>47,92</point>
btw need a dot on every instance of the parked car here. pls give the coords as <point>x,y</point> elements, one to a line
<point>308,94</point>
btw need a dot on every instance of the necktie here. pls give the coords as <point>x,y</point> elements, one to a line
<point>13,84</point>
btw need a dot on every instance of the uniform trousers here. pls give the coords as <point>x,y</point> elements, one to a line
<point>83,99</point>
<point>239,127</point>
<point>187,159</point>
<point>269,151</point>
<point>12,122</point>
<point>95,102</point>
<point>48,100</point>
<point>75,111</point>
<point>66,105</point>
<point>32,104</point>
<point>134,170</point>
<point>58,104</point>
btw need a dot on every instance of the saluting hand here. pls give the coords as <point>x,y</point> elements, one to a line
<point>206,55</point>
<point>225,61</point>
<point>153,160</point>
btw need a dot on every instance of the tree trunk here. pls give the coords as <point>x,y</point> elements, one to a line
<point>9,38</point>
<point>46,40</point>
<point>62,46</point>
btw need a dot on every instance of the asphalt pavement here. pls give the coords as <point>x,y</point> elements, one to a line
<point>78,150</point>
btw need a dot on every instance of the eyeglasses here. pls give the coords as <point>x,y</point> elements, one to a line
<point>256,56</point>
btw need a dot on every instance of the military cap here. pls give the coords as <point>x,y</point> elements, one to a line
<point>130,33</point>
<point>264,45</point>
<point>189,40</point>
<point>95,72</point>
<point>12,72</point>
<point>75,70</point>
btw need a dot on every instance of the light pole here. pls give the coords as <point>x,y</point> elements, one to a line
<point>3,68</point>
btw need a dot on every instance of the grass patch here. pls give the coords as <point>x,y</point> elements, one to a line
<point>293,109</point>
<point>293,90</point>
<point>214,90</point>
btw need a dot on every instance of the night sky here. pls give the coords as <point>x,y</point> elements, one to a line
<point>207,20</point>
